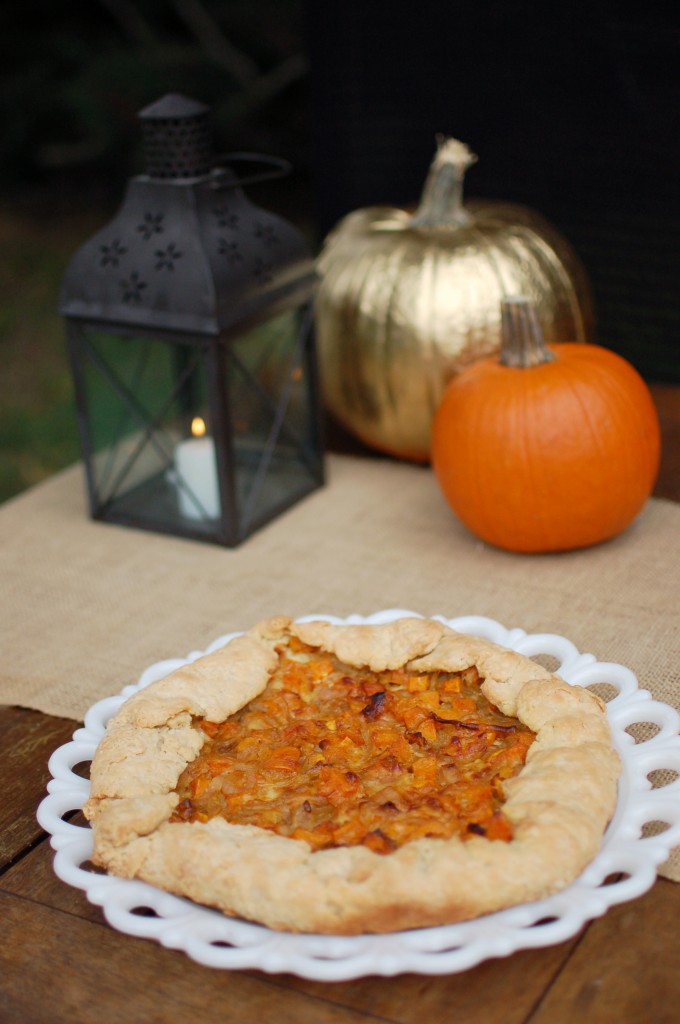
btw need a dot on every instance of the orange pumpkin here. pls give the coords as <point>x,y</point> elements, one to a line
<point>546,448</point>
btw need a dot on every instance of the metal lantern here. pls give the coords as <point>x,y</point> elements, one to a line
<point>189,325</point>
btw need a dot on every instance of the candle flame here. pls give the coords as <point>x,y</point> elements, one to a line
<point>198,426</point>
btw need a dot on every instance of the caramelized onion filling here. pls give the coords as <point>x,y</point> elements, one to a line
<point>338,756</point>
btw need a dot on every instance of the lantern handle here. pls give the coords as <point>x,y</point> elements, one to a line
<point>274,167</point>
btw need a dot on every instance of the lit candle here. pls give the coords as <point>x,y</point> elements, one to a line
<point>196,472</point>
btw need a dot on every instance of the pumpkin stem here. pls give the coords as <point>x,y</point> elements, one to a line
<point>522,341</point>
<point>441,204</point>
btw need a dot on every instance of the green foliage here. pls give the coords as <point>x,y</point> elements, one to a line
<point>38,431</point>
<point>35,442</point>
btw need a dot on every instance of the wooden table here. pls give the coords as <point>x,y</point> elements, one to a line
<point>60,961</point>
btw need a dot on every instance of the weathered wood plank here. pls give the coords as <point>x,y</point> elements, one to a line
<point>33,877</point>
<point>58,968</point>
<point>504,990</point>
<point>626,969</point>
<point>501,991</point>
<point>667,401</point>
<point>27,739</point>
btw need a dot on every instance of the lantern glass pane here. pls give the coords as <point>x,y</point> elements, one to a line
<point>275,446</point>
<point>141,396</point>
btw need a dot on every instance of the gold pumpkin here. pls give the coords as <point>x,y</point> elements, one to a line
<point>408,300</point>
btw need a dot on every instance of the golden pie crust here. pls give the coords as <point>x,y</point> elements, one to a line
<point>557,805</point>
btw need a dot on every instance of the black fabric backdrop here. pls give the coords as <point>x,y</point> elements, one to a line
<point>572,110</point>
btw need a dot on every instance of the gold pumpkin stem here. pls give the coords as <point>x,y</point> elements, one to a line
<point>441,204</point>
<point>522,341</point>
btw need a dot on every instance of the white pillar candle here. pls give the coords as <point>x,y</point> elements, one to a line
<point>196,465</point>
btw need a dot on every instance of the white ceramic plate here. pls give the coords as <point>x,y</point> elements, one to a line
<point>624,868</point>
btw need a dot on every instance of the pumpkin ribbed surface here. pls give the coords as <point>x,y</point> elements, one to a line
<point>549,457</point>
<point>408,300</point>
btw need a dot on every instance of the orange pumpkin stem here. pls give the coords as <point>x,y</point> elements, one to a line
<point>441,204</point>
<point>522,341</point>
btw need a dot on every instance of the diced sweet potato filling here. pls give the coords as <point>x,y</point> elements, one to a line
<point>338,756</point>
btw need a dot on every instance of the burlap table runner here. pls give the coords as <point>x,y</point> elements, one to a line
<point>85,606</point>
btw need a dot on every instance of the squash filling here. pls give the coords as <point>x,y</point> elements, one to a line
<point>338,756</point>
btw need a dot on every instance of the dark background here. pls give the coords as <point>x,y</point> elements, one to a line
<point>571,108</point>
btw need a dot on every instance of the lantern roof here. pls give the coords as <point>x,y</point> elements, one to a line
<point>187,250</point>
<point>173,105</point>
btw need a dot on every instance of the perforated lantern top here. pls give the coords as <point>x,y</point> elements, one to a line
<point>177,138</point>
<point>187,250</point>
